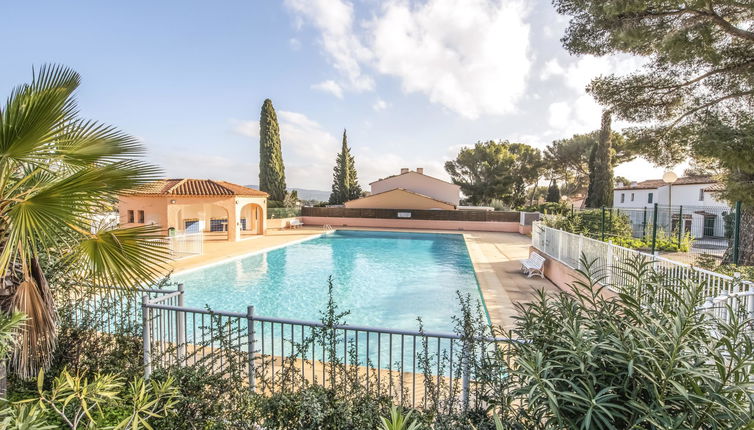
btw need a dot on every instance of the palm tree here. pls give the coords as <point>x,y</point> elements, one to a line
<point>56,172</point>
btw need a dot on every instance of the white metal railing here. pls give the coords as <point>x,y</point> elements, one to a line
<point>184,245</point>
<point>400,362</point>
<point>612,260</point>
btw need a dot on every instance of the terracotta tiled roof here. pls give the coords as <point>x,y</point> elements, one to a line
<point>657,183</point>
<point>196,187</point>
<point>719,186</point>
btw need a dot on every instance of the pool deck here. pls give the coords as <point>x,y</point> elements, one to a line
<point>494,256</point>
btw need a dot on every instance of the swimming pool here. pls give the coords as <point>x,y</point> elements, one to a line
<point>385,279</point>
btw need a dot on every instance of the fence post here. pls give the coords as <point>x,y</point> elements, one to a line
<point>146,336</point>
<point>581,247</point>
<point>180,326</point>
<point>602,225</point>
<point>560,246</point>
<point>252,343</point>
<point>466,376</point>
<point>737,234</point>
<point>644,225</point>
<point>680,224</point>
<point>654,229</point>
<point>609,265</point>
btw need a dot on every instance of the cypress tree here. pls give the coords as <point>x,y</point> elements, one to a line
<point>601,168</point>
<point>553,192</point>
<point>271,169</point>
<point>345,185</point>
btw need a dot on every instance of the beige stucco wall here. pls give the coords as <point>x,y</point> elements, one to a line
<point>397,199</point>
<point>421,184</point>
<point>171,211</point>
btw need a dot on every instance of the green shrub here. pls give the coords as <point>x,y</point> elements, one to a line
<point>550,208</point>
<point>604,361</point>
<point>589,223</point>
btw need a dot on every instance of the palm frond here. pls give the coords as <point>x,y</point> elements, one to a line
<point>9,324</point>
<point>35,113</point>
<point>124,258</point>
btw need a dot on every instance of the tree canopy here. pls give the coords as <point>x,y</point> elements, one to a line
<point>570,159</point>
<point>496,170</point>
<point>694,88</point>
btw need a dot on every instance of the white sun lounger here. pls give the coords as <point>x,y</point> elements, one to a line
<point>295,223</point>
<point>533,265</point>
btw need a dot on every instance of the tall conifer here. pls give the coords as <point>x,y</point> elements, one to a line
<point>345,185</point>
<point>271,169</point>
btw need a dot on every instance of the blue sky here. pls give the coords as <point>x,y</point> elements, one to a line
<point>412,81</point>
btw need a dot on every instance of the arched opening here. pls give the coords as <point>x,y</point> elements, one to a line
<point>207,218</point>
<point>251,219</point>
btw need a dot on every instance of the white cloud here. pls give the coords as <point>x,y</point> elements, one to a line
<point>335,20</point>
<point>470,56</point>
<point>579,73</point>
<point>294,43</point>
<point>308,150</point>
<point>331,87</point>
<point>380,105</point>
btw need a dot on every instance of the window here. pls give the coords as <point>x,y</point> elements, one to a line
<point>701,195</point>
<point>130,216</point>
<point>141,217</point>
<point>622,197</point>
<point>218,224</point>
<point>632,196</point>
<point>650,198</point>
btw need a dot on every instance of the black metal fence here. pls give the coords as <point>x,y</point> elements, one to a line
<point>701,235</point>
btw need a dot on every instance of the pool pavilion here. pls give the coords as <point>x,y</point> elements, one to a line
<point>221,210</point>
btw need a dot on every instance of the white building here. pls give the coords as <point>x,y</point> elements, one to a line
<point>696,199</point>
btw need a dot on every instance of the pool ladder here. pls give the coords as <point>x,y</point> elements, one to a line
<point>327,228</point>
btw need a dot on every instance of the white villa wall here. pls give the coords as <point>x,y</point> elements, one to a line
<point>422,184</point>
<point>686,195</point>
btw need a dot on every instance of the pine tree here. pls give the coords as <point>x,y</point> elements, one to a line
<point>345,185</point>
<point>553,192</point>
<point>271,169</point>
<point>601,168</point>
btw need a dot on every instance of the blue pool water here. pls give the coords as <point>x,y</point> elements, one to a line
<point>385,279</point>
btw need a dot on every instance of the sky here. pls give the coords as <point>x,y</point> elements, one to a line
<point>411,81</point>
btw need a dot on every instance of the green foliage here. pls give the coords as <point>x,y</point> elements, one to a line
<point>276,213</point>
<point>693,95</point>
<point>553,192</point>
<point>345,184</point>
<point>589,223</point>
<point>9,324</point>
<point>23,417</point>
<point>57,171</point>
<point>600,191</point>
<point>399,421</point>
<point>78,401</point>
<point>570,159</point>
<point>496,170</point>
<point>631,360</point>
<point>271,168</point>
<point>560,208</point>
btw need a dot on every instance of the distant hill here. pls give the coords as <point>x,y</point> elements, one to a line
<point>305,194</point>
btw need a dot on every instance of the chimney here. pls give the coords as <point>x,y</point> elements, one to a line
<point>420,170</point>
<point>404,170</point>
